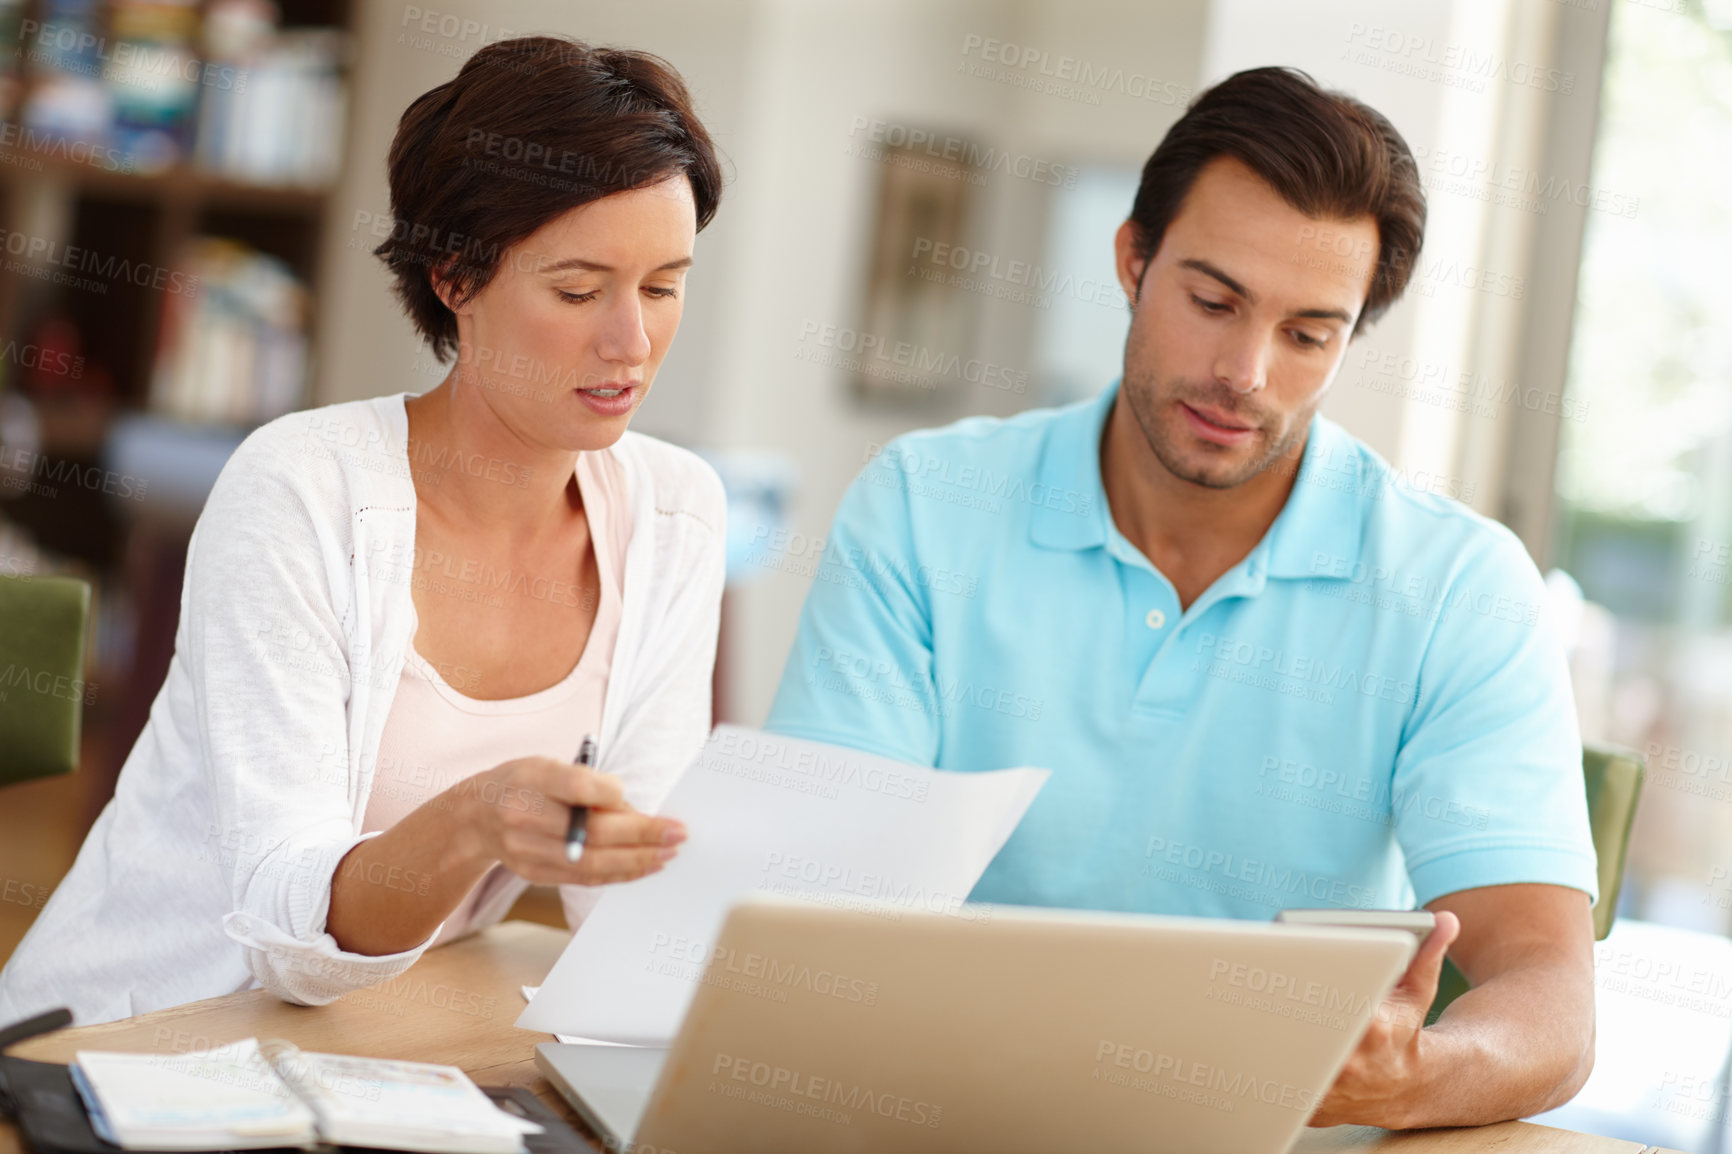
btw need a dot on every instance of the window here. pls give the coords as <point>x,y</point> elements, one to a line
<point>1645,476</point>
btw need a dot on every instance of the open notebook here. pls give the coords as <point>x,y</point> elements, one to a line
<point>251,1095</point>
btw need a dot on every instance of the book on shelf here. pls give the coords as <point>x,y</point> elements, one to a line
<point>148,85</point>
<point>233,347</point>
<point>259,1095</point>
<point>11,63</point>
<point>279,117</point>
<point>153,75</point>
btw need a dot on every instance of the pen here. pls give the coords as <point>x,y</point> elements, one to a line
<point>578,831</point>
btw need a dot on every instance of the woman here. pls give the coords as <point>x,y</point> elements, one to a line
<point>402,615</point>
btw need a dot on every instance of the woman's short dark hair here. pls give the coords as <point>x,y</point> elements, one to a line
<point>1324,153</point>
<point>529,129</point>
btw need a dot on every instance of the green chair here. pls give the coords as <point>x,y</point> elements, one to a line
<point>1614,779</point>
<point>43,623</point>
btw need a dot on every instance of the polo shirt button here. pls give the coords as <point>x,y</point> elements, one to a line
<point>1155,619</point>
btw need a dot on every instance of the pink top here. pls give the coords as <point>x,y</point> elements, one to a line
<point>435,737</point>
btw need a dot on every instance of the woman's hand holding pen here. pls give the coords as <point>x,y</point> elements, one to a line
<point>519,812</point>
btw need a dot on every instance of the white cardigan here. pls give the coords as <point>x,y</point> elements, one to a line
<point>210,870</point>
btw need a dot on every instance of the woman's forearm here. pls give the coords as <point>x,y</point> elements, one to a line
<point>390,892</point>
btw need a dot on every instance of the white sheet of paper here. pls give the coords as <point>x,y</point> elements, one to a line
<point>766,812</point>
<point>529,993</point>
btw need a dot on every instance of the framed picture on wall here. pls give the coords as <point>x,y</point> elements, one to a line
<point>918,321</point>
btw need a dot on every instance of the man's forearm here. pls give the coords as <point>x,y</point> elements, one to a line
<point>1519,1044</point>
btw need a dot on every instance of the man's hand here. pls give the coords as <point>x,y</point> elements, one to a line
<point>1519,1042</point>
<point>1379,1078</point>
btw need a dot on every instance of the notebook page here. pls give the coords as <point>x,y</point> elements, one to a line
<point>398,1105</point>
<point>226,1097</point>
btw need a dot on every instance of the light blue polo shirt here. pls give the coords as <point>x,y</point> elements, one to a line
<point>1369,710</point>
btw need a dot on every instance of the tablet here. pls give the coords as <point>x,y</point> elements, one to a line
<point>1419,923</point>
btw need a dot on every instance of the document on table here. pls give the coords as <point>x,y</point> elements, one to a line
<point>766,812</point>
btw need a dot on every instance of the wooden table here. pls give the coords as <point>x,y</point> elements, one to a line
<point>458,1003</point>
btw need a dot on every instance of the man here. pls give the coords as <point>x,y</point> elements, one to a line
<point>1264,671</point>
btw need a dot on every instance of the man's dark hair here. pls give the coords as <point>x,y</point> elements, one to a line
<point>1325,153</point>
<point>529,129</point>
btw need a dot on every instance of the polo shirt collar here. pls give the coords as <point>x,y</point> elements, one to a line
<point>1321,517</point>
<point>1071,459</point>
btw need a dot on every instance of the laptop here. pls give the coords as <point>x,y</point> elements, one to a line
<point>992,1029</point>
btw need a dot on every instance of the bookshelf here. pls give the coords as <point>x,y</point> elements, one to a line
<point>96,236</point>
